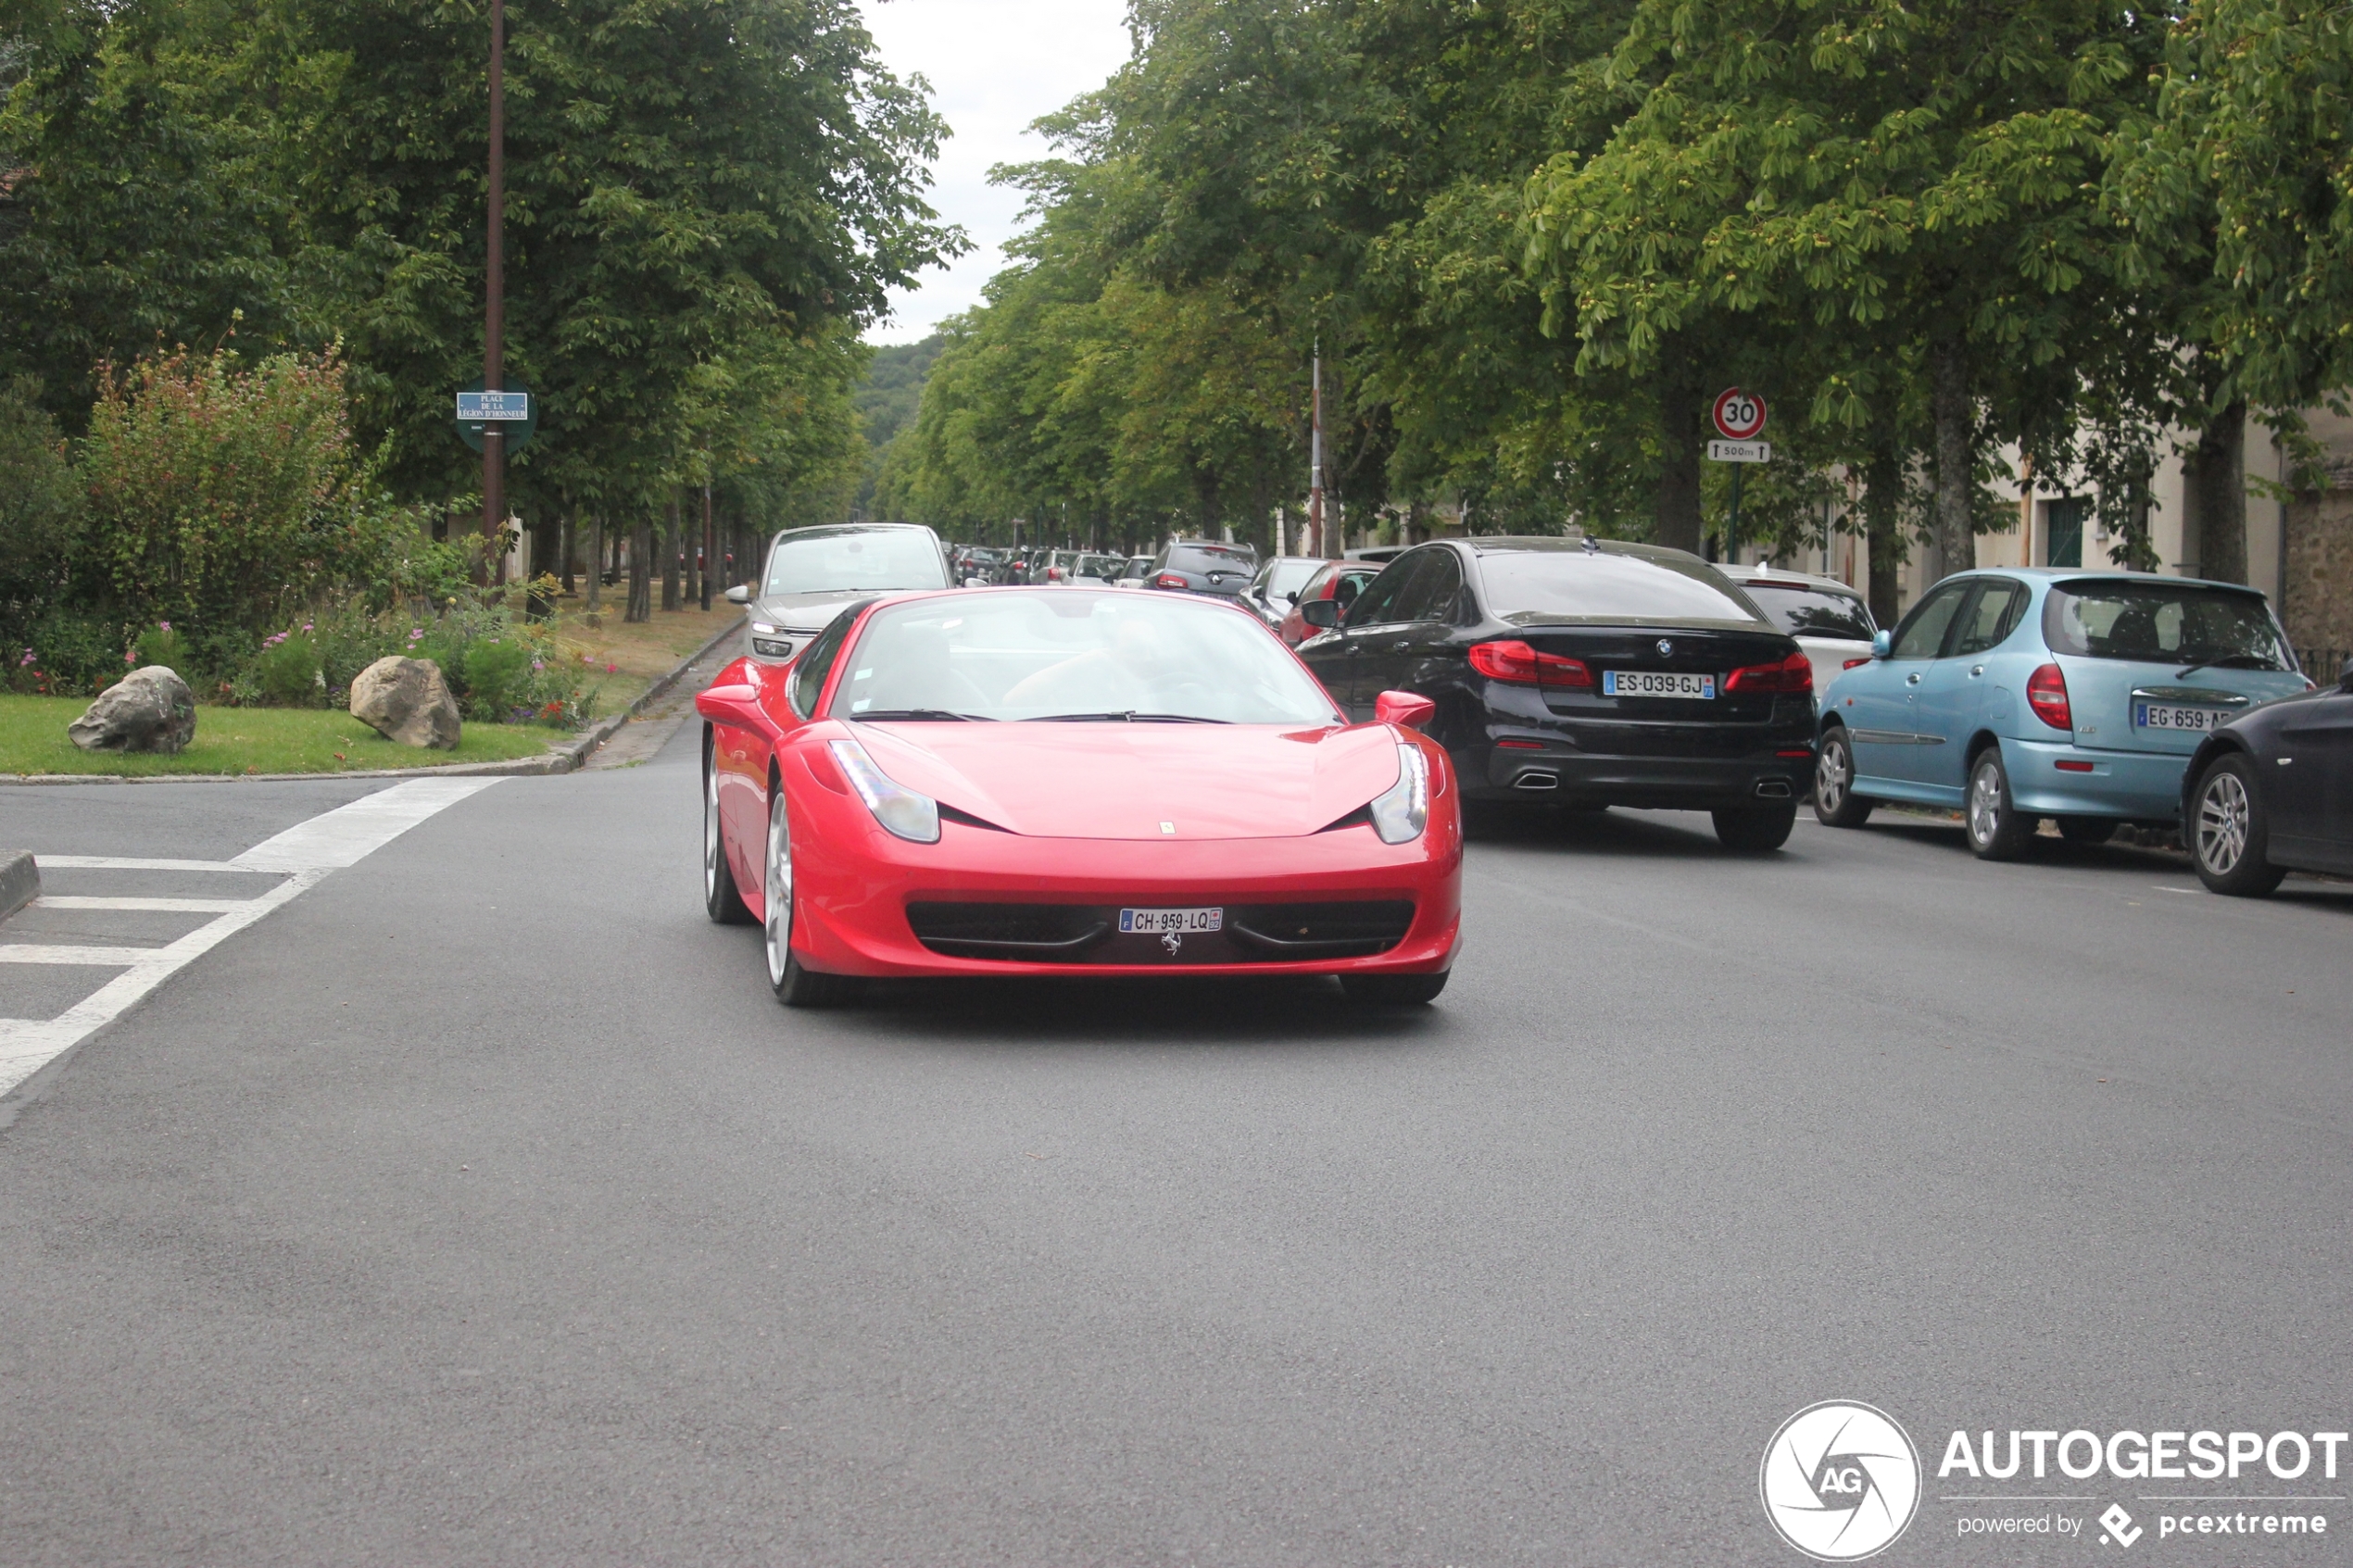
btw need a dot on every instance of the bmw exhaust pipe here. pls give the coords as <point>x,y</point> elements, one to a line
<point>1537,779</point>
<point>1772,789</point>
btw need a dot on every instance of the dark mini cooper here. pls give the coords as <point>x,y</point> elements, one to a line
<point>1587,672</point>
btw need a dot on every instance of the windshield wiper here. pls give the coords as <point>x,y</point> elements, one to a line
<point>898,715</point>
<point>1128,717</point>
<point>2230,661</point>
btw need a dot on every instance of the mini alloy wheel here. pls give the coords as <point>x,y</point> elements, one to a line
<point>2230,837</point>
<point>794,986</point>
<point>1996,830</point>
<point>1835,803</point>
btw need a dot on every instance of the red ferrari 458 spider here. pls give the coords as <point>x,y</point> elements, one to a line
<point>1063,781</point>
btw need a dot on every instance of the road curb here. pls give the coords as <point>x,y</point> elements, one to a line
<point>566,757</point>
<point>20,881</point>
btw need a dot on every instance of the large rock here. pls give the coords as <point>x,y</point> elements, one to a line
<point>407,701</point>
<point>149,710</point>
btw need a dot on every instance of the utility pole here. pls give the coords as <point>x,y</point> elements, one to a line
<point>494,322</point>
<point>1316,461</point>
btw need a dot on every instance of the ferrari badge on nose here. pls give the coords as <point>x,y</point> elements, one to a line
<point>1173,943</point>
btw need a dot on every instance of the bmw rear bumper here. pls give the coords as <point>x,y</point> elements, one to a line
<point>1702,784</point>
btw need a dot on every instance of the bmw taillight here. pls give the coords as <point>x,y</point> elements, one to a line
<point>1795,673</point>
<point>2046,694</point>
<point>1521,665</point>
<point>1169,580</point>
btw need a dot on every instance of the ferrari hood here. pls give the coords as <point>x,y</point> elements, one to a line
<point>1141,781</point>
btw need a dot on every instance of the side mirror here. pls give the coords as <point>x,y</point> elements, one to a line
<point>1322,614</point>
<point>1883,643</point>
<point>738,705</point>
<point>740,594</point>
<point>1409,708</point>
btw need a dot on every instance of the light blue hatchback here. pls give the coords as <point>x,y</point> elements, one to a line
<point>2020,695</point>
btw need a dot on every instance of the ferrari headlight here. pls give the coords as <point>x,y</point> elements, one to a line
<point>1403,811</point>
<point>912,817</point>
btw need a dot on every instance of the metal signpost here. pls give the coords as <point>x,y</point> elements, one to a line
<point>1740,419</point>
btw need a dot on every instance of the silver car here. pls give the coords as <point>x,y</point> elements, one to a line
<point>813,573</point>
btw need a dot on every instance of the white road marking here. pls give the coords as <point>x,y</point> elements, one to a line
<point>169,905</point>
<point>307,853</point>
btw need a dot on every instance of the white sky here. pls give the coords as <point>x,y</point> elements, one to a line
<point>994,66</point>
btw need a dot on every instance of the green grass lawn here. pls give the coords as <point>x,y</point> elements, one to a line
<point>244,740</point>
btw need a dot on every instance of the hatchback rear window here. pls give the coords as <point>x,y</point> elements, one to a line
<point>1207,557</point>
<point>1813,613</point>
<point>1537,585</point>
<point>2165,623</point>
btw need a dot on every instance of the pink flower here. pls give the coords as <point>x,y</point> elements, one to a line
<point>163,625</point>
<point>130,659</point>
<point>27,659</point>
<point>612,669</point>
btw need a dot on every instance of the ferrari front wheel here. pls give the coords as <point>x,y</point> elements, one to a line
<point>1392,990</point>
<point>794,986</point>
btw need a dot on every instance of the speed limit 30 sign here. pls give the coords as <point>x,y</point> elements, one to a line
<point>1739,415</point>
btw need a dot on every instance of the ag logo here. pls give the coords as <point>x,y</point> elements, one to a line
<point>1840,1481</point>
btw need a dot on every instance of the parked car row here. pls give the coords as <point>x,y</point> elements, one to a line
<point>1592,672</point>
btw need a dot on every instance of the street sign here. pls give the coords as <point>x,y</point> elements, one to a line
<point>479,406</point>
<point>516,413</point>
<point>1740,451</point>
<point>1739,415</point>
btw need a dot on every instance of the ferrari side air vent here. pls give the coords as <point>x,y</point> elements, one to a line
<point>1038,932</point>
<point>1322,931</point>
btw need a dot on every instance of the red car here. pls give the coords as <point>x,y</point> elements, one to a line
<point>1342,580</point>
<point>1068,781</point>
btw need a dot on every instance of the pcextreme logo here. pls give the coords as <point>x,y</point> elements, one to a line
<point>1840,1481</point>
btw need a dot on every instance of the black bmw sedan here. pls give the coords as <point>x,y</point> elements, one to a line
<point>2272,791</point>
<point>1586,672</point>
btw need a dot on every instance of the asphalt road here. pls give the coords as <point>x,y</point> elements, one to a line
<point>480,1205</point>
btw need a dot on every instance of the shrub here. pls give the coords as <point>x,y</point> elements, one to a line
<point>497,673</point>
<point>40,509</point>
<point>215,491</point>
<point>160,645</point>
<point>287,669</point>
<point>69,653</point>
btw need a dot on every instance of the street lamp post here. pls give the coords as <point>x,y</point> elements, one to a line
<point>494,323</point>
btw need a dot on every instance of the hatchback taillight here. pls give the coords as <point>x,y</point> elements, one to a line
<point>2046,694</point>
<point>1169,580</point>
<point>1522,665</point>
<point>1795,673</point>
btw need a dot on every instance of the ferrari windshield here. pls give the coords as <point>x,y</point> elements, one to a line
<point>863,559</point>
<point>1074,655</point>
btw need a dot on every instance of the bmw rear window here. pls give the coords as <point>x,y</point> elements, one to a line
<point>1212,558</point>
<point>1530,587</point>
<point>2164,624</point>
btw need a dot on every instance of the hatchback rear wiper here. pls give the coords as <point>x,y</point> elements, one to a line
<point>897,715</point>
<point>2229,661</point>
<point>1128,717</point>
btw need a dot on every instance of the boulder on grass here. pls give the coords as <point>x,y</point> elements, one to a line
<point>149,710</point>
<point>407,701</point>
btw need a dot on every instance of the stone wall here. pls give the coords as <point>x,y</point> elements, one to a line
<point>2318,607</point>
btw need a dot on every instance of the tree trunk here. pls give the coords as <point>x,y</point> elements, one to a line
<point>596,561</point>
<point>669,557</point>
<point>1682,438</point>
<point>2218,478</point>
<point>1883,533</point>
<point>546,546</point>
<point>569,547</point>
<point>641,578</point>
<point>1955,529</point>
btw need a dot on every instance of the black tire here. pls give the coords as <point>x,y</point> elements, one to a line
<point>794,986</point>
<point>2088,829</point>
<point>1996,831</point>
<point>1835,803</point>
<point>1756,829</point>
<point>1392,990</point>
<point>2229,832</point>
<point>722,900</point>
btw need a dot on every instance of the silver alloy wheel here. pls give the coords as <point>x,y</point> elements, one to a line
<point>1984,803</point>
<point>2223,813</point>
<point>711,850</point>
<point>1833,774</point>
<point>776,889</point>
